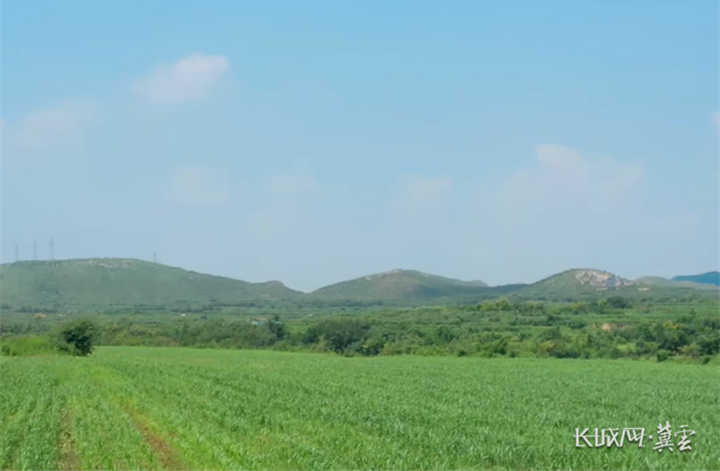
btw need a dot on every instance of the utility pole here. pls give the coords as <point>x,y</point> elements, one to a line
<point>35,249</point>
<point>154,257</point>
<point>52,251</point>
<point>17,253</point>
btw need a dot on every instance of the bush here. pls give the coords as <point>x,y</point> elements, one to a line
<point>662,355</point>
<point>76,338</point>
<point>618,302</point>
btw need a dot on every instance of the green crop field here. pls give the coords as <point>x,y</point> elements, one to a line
<point>173,408</point>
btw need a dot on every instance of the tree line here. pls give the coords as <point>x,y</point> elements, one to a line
<point>512,329</point>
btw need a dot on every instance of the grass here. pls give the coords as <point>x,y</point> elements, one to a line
<point>145,408</point>
<point>26,345</point>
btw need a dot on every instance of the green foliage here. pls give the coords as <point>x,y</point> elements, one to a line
<point>503,327</point>
<point>26,345</point>
<point>618,302</point>
<point>340,334</point>
<point>75,338</point>
<point>277,328</point>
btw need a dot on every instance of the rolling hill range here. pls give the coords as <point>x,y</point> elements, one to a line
<point>107,284</point>
<point>102,282</point>
<point>399,285</point>
<point>709,278</point>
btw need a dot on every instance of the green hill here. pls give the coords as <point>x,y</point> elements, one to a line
<point>399,285</point>
<point>571,285</point>
<point>709,278</point>
<point>586,284</point>
<point>100,283</point>
<point>659,281</point>
<point>110,284</point>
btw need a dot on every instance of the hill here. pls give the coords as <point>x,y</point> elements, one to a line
<point>397,285</point>
<point>577,284</point>
<point>709,278</point>
<point>101,283</point>
<point>586,284</point>
<point>111,284</point>
<point>659,281</point>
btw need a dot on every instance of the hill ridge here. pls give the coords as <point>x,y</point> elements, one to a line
<point>96,283</point>
<point>399,284</point>
<point>124,281</point>
<point>709,278</point>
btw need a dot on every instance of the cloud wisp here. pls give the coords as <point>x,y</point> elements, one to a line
<point>293,184</point>
<point>562,178</point>
<point>196,185</point>
<point>190,79</point>
<point>58,127</point>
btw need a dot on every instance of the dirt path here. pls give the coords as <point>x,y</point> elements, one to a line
<point>162,449</point>
<point>69,459</point>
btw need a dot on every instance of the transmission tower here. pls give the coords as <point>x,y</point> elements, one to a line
<point>35,249</point>
<point>52,249</point>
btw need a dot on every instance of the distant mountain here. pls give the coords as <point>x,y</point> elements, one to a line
<point>709,278</point>
<point>584,278</point>
<point>100,283</point>
<point>113,284</point>
<point>572,284</point>
<point>661,282</point>
<point>587,284</point>
<point>397,285</point>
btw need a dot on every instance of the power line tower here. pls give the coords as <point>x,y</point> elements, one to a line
<point>52,250</point>
<point>35,249</point>
<point>17,253</point>
<point>154,257</point>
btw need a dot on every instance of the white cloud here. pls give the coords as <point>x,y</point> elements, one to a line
<point>197,184</point>
<point>293,185</point>
<point>563,178</point>
<point>566,208</point>
<point>59,127</point>
<point>425,189</point>
<point>189,79</point>
<point>419,202</point>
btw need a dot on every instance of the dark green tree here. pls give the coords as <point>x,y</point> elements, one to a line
<point>76,338</point>
<point>277,328</point>
<point>618,302</point>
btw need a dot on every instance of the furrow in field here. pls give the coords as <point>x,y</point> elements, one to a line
<point>69,459</point>
<point>104,435</point>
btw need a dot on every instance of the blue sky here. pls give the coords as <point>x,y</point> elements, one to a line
<point>311,142</point>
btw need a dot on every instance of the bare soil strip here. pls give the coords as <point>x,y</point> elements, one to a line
<point>162,449</point>
<point>69,459</point>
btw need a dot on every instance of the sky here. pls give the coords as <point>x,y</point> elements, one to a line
<point>318,141</point>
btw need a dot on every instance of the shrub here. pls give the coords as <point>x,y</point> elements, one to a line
<point>76,338</point>
<point>662,355</point>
